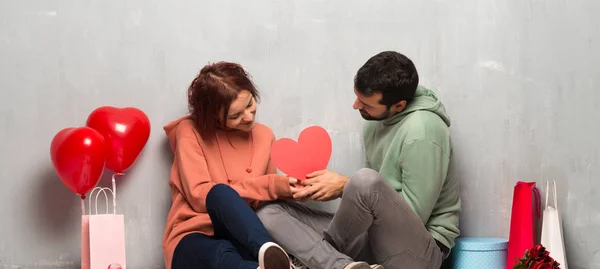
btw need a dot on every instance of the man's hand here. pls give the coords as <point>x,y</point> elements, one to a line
<point>295,187</point>
<point>322,185</point>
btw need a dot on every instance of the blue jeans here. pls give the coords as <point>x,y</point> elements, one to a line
<point>239,234</point>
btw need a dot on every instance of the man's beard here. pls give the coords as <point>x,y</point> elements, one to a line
<point>368,117</point>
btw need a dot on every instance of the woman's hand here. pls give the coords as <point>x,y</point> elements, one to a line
<point>295,187</point>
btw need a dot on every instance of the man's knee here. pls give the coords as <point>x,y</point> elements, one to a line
<point>269,214</point>
<point>365,180</point>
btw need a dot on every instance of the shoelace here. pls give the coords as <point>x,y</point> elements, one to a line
<point>297,264</point>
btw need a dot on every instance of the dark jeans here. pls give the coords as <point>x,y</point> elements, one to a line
<point>239,234</point>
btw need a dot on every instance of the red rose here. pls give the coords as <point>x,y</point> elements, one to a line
<point>540,265</point>
<point>541,251</point>
<point>537,258</point>
<point>536,252</point>
<point>547,260</point>
<point>531,253</point>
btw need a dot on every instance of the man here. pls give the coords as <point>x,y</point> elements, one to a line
<point>402,211</point>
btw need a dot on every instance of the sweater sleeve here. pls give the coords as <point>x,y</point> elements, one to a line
<point>271,168</point>
<point>192,168</point>
<point>196,180</point>
<point>424,167</point>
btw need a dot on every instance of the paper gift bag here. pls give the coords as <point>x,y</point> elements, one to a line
<point>522,222</point>
<point>552,234</point>
<point>102,238</point>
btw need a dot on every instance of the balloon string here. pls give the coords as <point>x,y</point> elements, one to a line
<point>114,185</point>
<point>82,205</point>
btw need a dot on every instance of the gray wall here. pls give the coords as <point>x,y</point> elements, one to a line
<point>518,77</point>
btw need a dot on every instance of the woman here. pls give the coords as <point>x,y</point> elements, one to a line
<point>221,164</point>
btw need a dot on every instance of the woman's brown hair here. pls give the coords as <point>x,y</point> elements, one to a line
<point>212,92</point>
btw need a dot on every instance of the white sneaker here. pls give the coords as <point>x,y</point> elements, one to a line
<point>357,265</point>
<point>297,264</point>
<point>362,265</point>
<point>272,256</point>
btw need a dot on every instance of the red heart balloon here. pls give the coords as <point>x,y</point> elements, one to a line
<point>311,153</point>
<point>78,156</point>
<point>126,131</point>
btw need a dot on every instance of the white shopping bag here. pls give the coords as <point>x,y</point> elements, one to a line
<point>552,235</point>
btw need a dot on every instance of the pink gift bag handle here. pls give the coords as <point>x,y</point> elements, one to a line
<point>103,190</point>
<point>100,190</point>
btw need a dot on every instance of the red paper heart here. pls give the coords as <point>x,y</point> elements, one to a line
<point>78,156</point>
<point>126,131</point>
<point>311,153</point>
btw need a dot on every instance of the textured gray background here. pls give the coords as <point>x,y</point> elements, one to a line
<point>518,77</point>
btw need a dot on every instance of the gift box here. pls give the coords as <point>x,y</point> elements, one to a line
<point>479,253</point>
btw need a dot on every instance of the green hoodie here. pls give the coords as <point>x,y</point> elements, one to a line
<point>412,151</point>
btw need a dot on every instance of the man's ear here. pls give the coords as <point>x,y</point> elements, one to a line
<point>397,107</point>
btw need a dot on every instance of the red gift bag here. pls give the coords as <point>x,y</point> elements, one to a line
<point>522,221</point>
